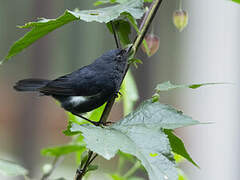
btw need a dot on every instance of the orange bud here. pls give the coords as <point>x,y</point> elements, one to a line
<point>180,19</point>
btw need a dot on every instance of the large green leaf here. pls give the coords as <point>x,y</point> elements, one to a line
<point>44,26</point>
<point>140,134</point>
<point>8,168</point>
<point>104,15</point>
<point>167,86</point>
<point>38,30</point>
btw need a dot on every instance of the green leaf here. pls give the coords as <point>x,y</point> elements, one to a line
<point>140,134</point>
<point>92,168</point>
<point>237,1</point>
<point>117,177</point>
<point>105,15</point>
<point>166,86</point>
<point>130,93</point>
<point>178,158</point>
<point>63,150</point>
<point>178,146</point>
<point>8,168</point>
<point>126,156</point>
<point>97,113</point>
<point>44,26</point>
<point>71,119</point>
<point>123,29</point>
<point>38,30</point>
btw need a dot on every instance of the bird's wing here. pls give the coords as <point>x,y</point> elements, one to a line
<point>79,83</point>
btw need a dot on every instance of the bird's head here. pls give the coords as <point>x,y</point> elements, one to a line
<point>116,55</point>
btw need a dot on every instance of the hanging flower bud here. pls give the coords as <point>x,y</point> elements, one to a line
<point>180,19</point>
<point>152,44</point>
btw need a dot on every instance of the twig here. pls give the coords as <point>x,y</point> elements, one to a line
<point>115,34</point>
<point>81,172</point>
<point>55,164</point>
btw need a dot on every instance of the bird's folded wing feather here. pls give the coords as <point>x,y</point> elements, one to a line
<point>79,83</point>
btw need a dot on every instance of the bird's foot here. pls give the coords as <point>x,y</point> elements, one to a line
<point>101,123</point>
<point>118,94</point>
<point>93,122</point>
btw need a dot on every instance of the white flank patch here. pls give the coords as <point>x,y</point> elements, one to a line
<point>76,100</point>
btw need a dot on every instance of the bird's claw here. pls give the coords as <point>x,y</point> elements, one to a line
<point>117,94</point>
<point>101,123</point>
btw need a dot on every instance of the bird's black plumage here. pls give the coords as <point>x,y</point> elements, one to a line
<point>86,88</point>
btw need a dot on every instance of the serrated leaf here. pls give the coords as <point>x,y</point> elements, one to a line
<point>130,93</point>
<point>167,86</point>
<point>140,134</point>
<point>63,150</point>
<point>38,30</point>
<point>44,26</point>
<point>178,146</point>
<point>105,15</point>
<point>8,168</point>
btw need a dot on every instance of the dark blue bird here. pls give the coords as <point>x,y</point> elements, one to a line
<point>86,88</point>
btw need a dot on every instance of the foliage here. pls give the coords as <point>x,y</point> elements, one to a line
<point>44,26</point>
<point>237,1</point>
<point>140,134</point>
<point>8,168</point>
<point>145,136</point>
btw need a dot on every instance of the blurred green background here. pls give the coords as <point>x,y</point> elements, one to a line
<point>206,51</point>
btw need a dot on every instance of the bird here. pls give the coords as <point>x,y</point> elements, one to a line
<point>84,89</point>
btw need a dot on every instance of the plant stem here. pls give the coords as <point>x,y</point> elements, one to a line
<point>131,171</point>
<point>55,164</point>
<point>115,34</point>
<point>81,172</point>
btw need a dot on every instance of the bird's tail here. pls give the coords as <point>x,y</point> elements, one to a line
<point>30,84</point>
